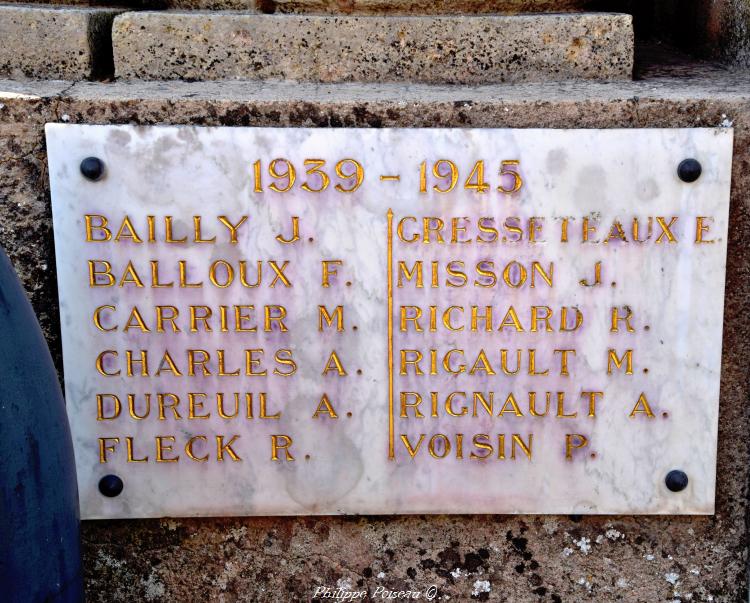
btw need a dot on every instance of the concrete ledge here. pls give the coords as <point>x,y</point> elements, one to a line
<point>456,50</point>
<point>42,41</point>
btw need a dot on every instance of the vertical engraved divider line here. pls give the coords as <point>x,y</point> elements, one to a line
<point>391,451</point>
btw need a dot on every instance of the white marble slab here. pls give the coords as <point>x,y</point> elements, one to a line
<point>342,465</point>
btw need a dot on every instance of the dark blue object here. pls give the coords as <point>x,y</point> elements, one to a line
<point>110,485</point>
<point>689,170</point>
<point>92,168</point>
<point>676,480</point>
<point>40,547</point>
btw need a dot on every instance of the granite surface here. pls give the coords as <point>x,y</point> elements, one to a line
<point>436,49</point>
<point>558,558</point>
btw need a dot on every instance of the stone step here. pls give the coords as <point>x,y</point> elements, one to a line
<point>434,49</point>
<point>423,7</point>
<point>41,41</point>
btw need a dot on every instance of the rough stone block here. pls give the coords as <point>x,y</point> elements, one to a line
<point>444,49</point>
<point>42,41</point>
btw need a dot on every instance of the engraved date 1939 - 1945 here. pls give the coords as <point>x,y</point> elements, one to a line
<point>347,175</point>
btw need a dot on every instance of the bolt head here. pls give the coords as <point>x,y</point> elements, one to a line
<point>689,170</point>
<point>676,480</point>
<point>110,486</point>
<point>92,168</point>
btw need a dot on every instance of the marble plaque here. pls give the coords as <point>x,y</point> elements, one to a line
<point>262,321</point>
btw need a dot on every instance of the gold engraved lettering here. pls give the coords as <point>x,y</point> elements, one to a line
<point>666,229</point>
<point>325,406</point>
<point>222,448</point>
<point>101,227</point>
<point>573,442</point>
<point>100,412</point>
<point>281,442</point>
<point>613,360</point>
<point>198,234</point>
<point>616,318</point>
<point>334,364</point>
<point>105,447</point>
<point>295,232</point>
<point>131,457</point>
<point>642,407</point>
<point>161,448</point>
<point>389,262</point>
<point>701,227</point>
<point>189,449</point>
<point>329,269</point>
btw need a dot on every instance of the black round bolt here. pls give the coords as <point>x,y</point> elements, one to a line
<point>92,168</point>
<point>676,480</point>
<point>689,170</point>
<point>110,485</point>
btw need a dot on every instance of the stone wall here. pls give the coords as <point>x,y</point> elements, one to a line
<point>714,29</point>
<point>523,558</point>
